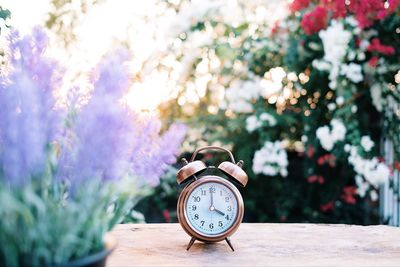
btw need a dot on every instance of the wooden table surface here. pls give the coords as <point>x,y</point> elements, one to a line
<point>259,245</point>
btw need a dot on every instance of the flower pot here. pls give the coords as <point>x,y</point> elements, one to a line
<point>97,259</point>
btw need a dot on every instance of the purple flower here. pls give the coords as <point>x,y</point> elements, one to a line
<point>28,117</point>
<point>103,139</point>
<point>111,140</point>
<point>151,165</point>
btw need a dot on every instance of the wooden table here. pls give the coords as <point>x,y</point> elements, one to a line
<point>259,245</point>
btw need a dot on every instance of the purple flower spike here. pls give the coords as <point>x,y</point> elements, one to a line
<point>28,118</point>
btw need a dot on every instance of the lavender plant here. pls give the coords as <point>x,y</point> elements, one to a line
<point>68,176</point>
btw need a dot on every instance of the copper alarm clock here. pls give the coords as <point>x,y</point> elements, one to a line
<point>210,208</point>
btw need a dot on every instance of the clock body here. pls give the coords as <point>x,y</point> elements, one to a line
<point>210,208</point>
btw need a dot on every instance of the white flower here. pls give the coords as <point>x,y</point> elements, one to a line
<point>352,71</point>
<point>241,94</point>
<point>376,96</point>
<point>373,171</point>
<point>374,195</point>
<point>252,123</point>
<point>327,137</point>
<point>362,186</point>
<point>367,143</point>
<point>340,100</point>
<point>331,106</point>
<point>271,160</point>
<point>335,40</point>
<point>268,118</point>
<point>321,65</point>
<point>323,134</point>
<point>364,45</point>
<point>347,147</point>
<point>361,56</point>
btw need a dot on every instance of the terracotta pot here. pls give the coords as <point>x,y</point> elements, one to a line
<point>98,259</point>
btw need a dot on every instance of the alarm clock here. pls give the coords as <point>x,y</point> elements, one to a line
<point>210,208</point>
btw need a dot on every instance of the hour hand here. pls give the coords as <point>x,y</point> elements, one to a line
<point>220,212</point>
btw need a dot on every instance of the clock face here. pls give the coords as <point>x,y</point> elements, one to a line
<point>211,208</point>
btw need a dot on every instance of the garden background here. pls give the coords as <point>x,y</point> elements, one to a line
<point>306,93</point>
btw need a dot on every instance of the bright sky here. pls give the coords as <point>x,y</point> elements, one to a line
<point>105,24</point>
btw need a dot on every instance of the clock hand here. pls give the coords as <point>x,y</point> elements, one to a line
<point>212,200</point>
<point>220,212</point>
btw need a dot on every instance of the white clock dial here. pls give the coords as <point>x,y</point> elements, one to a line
<point>211,208</point>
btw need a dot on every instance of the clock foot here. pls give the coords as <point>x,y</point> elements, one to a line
<point>229,243</point>
<point>191,242</point>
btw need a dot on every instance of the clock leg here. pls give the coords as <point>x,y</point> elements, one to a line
<point>191,242</point>
<point>229,243</point>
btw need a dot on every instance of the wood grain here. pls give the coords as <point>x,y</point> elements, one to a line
<point>259,245</point>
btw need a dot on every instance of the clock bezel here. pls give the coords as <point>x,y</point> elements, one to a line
<point>182,215</point>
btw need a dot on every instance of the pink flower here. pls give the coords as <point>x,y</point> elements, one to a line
<point>297,5</point>
<point>315,20</point>
<point>338,7</point>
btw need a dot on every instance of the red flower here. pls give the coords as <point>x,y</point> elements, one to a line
<point>397,165</point>
<point>366,11</point>
<point>348,194</point>
<point>377,46</point>
<point>373,61</point>
<point>327,207</point>
<point>167,216</point>
<point>316,178</point>
<point>393,5</point>
<point>275,27</point>
<point>321,160</point>
<point>297,5</point>
<point>312,179</point>
<point>315,20</point>
<point>330,158</point>
<point>338,7</point>
<point>310,151</point>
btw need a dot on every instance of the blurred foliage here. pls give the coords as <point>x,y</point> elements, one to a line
<point>66,15</point>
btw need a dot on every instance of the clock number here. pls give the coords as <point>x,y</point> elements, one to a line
<point>220,193</point>
<point>211,226</point>
<point>227,217</point>
<point>220,224</point>
<point>202,223</point>
<point>203,192</point>
<point>226,199</point>
<point>196,216</point>
<point>194,207</point>
<point>212,190</point>
<point>196,199</point>
<point>229,208</point>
